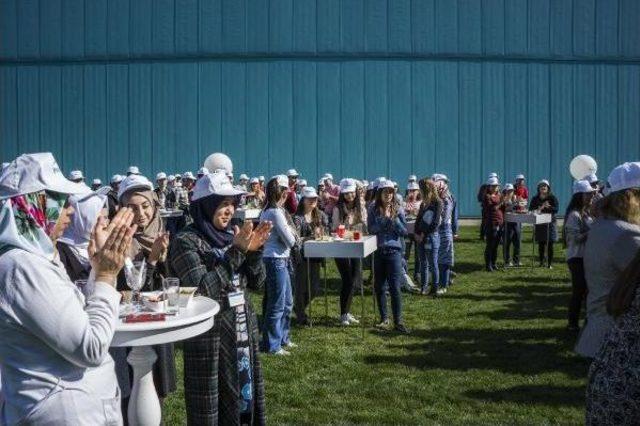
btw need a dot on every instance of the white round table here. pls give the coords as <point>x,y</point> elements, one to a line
<point>144,405</point>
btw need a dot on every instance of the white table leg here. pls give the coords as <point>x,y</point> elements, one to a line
<point>144,405</point>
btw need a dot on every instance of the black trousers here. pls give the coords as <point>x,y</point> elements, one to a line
<point>541,252</point>
<point>302,298</point>
<point>350,274</point>
<point>578,289</point>
<point>512,239</point>
<point>492,238</point>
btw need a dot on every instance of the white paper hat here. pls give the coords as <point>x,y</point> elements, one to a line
<point>283,181</point>
<point>261,178</point>
<point>161,175</point>
<point>347,185</point>
<point>302,182</point>
<point>75,175</point>
<point>520,176</point>
<point>171,178</point>
<point>309,192</point>
<point>254,180</point>
<point>493,181</point>
<point>116,178</point>
<point>214,183</point>
<point>244,177</point>
<point>292,173</point>
<point>412,185</point>
<point>592,178</point>
<point>385,184</point>
<point>582,186</point>
<point>203,171</point>
<point>624,176</point>
<point>134,182</point>
<point>327,176</point>
<point>412,178</point>
<point>508,187</point>
<point>188,175</point>
<point>34,173</point>
<point>544,182</point>
<point>96,182</point>
<point>133,170</point>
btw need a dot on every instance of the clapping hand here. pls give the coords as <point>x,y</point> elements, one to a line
<point>159,248</point>
<point>249,239</point>
<point>109,243</point>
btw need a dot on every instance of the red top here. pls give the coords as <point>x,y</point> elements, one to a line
<point>292,201</point>
<point>491,206</point>
<point>522,192</point>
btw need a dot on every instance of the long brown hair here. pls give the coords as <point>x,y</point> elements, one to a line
<point>624,290</point>
<point>315,213</point>
<point>273,194</point>
<point>428,191</point>
<point>380,203</point>
<point>343,209</point>
<point>622,205</point>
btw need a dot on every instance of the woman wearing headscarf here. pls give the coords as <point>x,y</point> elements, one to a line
<point>74,255</point>
<point>150,244</point>
<point>545,202</point>
<point>53,351</point>
<point>222,372</point>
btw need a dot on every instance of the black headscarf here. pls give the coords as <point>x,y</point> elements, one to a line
<point>202,212</point>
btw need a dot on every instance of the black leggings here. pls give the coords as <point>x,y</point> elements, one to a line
<point>541,250</point>
<point>350,273</point>
<point>578,289</point>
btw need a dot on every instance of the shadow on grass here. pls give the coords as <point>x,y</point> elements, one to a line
<point>468,267</point>
<point>533,394</point>
<point>514,351</point>
<point>530,302</point>
<point>525,279</point>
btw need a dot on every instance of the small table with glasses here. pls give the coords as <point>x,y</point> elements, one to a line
<point>333,248</point>
<point>195,319</point>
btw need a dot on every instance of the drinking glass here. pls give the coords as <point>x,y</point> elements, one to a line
<point>135,273</point>
<point>171,289</point>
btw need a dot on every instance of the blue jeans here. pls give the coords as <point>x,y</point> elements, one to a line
<point>279,302</point>
<point>389,271</point>
<point>428,250</point>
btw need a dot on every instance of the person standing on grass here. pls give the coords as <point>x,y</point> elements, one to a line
<point>428,237</point>
<point>493,228</point>
<point>613,383</point>
<point>510,204</point>
<point>545,202</point>
<point>386,221</point>
<point>411,207</point>
<point>277,261</point>
<point>223,382</point>
<point>577,221</point>
<point>350,213</point>
<point>311,223</point>
<point>614,240</point>
<point>448,230</point>
<point>482,191</point>
<point>331,194</point>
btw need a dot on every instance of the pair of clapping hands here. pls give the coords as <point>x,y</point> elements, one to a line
<point>110,242</point>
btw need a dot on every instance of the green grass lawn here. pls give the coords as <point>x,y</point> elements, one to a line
<point>493,350</point>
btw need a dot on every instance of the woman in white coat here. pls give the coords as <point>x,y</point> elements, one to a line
<point>56,369</point>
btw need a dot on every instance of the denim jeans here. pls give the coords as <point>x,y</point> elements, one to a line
<point>512,238</point>
<point>428,250</point>
<point>279,302</point>
<point>389,272</point>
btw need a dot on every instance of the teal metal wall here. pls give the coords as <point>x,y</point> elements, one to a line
<point>356,87</point>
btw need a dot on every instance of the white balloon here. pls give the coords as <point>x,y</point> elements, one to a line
<point>582,165</point>
<point>217,161</point>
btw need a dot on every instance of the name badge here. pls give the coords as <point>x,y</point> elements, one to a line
<point>236,298</point>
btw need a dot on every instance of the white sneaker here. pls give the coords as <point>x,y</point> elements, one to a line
<point>282,352</point>
<point>344,320</point>
<point>440,292</point>
<point>352,319</point>
<point>291,345</point>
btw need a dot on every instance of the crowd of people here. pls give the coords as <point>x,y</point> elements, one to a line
<point>55,358</point>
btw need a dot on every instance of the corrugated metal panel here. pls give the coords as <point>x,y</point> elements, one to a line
<point>188,82</point>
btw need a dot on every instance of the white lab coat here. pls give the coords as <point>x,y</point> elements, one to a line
<point>56,369</point>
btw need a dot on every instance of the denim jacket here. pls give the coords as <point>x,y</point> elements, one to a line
<point>389,232</point>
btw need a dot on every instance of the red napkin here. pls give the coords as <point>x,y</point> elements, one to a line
<point>144,317</point>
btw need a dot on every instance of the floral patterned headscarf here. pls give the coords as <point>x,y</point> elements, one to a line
<point>26,221</point>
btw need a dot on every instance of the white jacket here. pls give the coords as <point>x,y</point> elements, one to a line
<point>54,359</point>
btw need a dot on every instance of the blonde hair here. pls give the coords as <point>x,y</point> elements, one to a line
<point>622,205</point>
